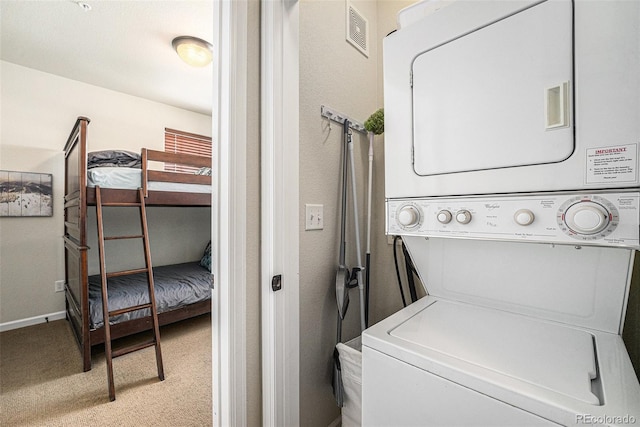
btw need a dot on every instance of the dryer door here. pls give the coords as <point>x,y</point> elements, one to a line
<point>499,96</point>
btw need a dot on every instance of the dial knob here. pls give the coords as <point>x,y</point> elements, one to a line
<point>463,216</point>
<point>587,217</point>
<point>444,216</point>
<point>408,216</point>
<point>524,216</point>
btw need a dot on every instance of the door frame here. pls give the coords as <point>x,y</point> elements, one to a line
<point>229,130</point>
<point>280,212</point>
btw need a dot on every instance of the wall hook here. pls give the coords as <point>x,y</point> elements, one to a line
<point>332,115</point>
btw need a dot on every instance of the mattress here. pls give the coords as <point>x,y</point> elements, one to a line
<point>175,286</point>
<point>131,179</point>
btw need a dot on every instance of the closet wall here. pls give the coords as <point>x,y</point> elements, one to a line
<point>335,74</point>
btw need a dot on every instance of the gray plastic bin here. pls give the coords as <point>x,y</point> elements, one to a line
<point>351,365</point>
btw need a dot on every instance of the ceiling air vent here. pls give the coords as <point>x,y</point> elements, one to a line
<point>357,29</point>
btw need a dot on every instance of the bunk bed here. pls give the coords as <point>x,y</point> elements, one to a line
<point>187,285</point>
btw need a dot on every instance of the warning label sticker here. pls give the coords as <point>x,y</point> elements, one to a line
<point>612,164</point>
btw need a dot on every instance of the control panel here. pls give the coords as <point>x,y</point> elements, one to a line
<point>598,218</point>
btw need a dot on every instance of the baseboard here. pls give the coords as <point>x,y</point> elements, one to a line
<point>22,323</point>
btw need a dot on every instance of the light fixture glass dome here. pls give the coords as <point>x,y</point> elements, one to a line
<point>194,51</point>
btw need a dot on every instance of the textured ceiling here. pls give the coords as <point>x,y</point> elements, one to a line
<point>119,45</point>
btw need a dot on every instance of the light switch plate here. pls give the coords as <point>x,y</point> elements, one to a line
<point>314,217</point>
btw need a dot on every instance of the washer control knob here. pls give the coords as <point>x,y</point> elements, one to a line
<point>524,216</point>
<point>408,216</point>
<point>444,216</point>
<point>587,217</point>
<point>463,216</point>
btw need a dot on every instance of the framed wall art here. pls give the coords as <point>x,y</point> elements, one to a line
<point>26,194</point>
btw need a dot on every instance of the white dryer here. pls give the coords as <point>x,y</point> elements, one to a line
<point>485,97</point>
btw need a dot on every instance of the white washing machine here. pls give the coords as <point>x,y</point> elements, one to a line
<point>521,325</point>
<point>512,173</point>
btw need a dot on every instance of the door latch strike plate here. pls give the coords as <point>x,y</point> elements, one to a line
<point>276,282</point>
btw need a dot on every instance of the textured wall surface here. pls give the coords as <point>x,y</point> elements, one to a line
<point>335,74</point>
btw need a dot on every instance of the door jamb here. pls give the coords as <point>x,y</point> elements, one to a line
<point>280,212</point>
<point>229,118</point>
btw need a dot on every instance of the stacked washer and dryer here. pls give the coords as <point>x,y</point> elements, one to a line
<point>512,131</point>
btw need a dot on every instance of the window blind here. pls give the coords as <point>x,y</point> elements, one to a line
<point>177,141</point>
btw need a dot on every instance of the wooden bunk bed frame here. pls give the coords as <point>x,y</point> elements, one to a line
<point>76,200</point>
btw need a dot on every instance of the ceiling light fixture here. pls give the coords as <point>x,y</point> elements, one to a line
<point>192,50</point>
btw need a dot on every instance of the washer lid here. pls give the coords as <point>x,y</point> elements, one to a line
<point>544,354</point>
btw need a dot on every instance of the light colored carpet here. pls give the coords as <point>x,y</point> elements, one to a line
<point>42,383</point>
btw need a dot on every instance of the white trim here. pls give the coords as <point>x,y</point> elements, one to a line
<point>30,321</point>
<point>229,118</point>
<point>280,210</point>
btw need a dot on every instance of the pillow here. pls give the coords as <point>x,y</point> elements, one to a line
<point>114,158</point>
<point>205,261</point>
<point>204,171</point>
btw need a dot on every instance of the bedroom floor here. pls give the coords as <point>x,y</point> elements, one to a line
<point>42,383</point>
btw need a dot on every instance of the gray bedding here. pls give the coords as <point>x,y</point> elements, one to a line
<point>114,158</point>
<point>175,286</point>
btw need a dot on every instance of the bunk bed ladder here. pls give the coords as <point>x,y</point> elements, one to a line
<point>155,339</point>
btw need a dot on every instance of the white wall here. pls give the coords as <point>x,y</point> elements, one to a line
<point>37,112</point>
<point>334,73</point>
